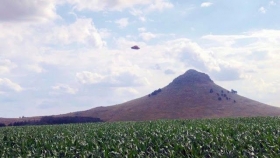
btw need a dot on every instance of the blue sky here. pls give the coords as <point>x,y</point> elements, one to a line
<point>71,55</point>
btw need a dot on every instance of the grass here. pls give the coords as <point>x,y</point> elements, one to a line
<point>232,137</point>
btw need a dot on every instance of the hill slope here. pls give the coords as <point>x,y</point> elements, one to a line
<point>187,96</point>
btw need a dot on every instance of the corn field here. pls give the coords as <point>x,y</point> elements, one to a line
<point>232,137</point>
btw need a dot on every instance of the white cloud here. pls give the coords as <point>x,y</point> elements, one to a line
<point>34,68</point>
<point>262,10</point>
<point>142,18</point>
<point>256,55</point>
<point>271,37</point>
<point>127,79</point>
<point>81,31</point>
<point>160,5</point>
<point>105,4</point>
<point>206,4</point>
<point>120,78</point>
<point>138,13</point>
<point>86,77</point>
<point>7,85</point>
<point>193,55</point>
<point>169,72</point>
<point>266,86</point>
<point>123,22</point>
<point>126,93</point>
<point>95,5</point>
<point>26,10</point>
<point>104,33</point>
<point>272,3</point>
<point>147,36</point>
<point>155,5</point>
<point>142,29</point>
<point>64,89</point>
<point>6,65</point>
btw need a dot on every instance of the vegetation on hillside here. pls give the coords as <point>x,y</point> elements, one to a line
<point>2,125</point>
<point>155,92</point>
<point>50,120</point>
<point>239,137</point>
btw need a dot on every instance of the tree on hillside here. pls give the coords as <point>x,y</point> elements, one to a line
<point>233,91</point>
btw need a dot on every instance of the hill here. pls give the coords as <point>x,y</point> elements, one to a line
<point>190,96</point>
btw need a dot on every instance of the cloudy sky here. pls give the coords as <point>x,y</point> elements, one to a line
<point>58,56</point>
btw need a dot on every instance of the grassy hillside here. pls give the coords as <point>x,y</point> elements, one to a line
<point>238,137</point>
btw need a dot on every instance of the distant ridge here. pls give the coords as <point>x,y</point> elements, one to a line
<point>192,95</point>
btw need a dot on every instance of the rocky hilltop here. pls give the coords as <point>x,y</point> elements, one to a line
<point>191,77</point>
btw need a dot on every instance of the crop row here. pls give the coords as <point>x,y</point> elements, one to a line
<point>233,137</point>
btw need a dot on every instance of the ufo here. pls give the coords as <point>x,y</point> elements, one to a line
<point>135,47</point>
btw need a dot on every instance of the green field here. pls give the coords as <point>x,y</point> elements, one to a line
<point>239,137</point>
